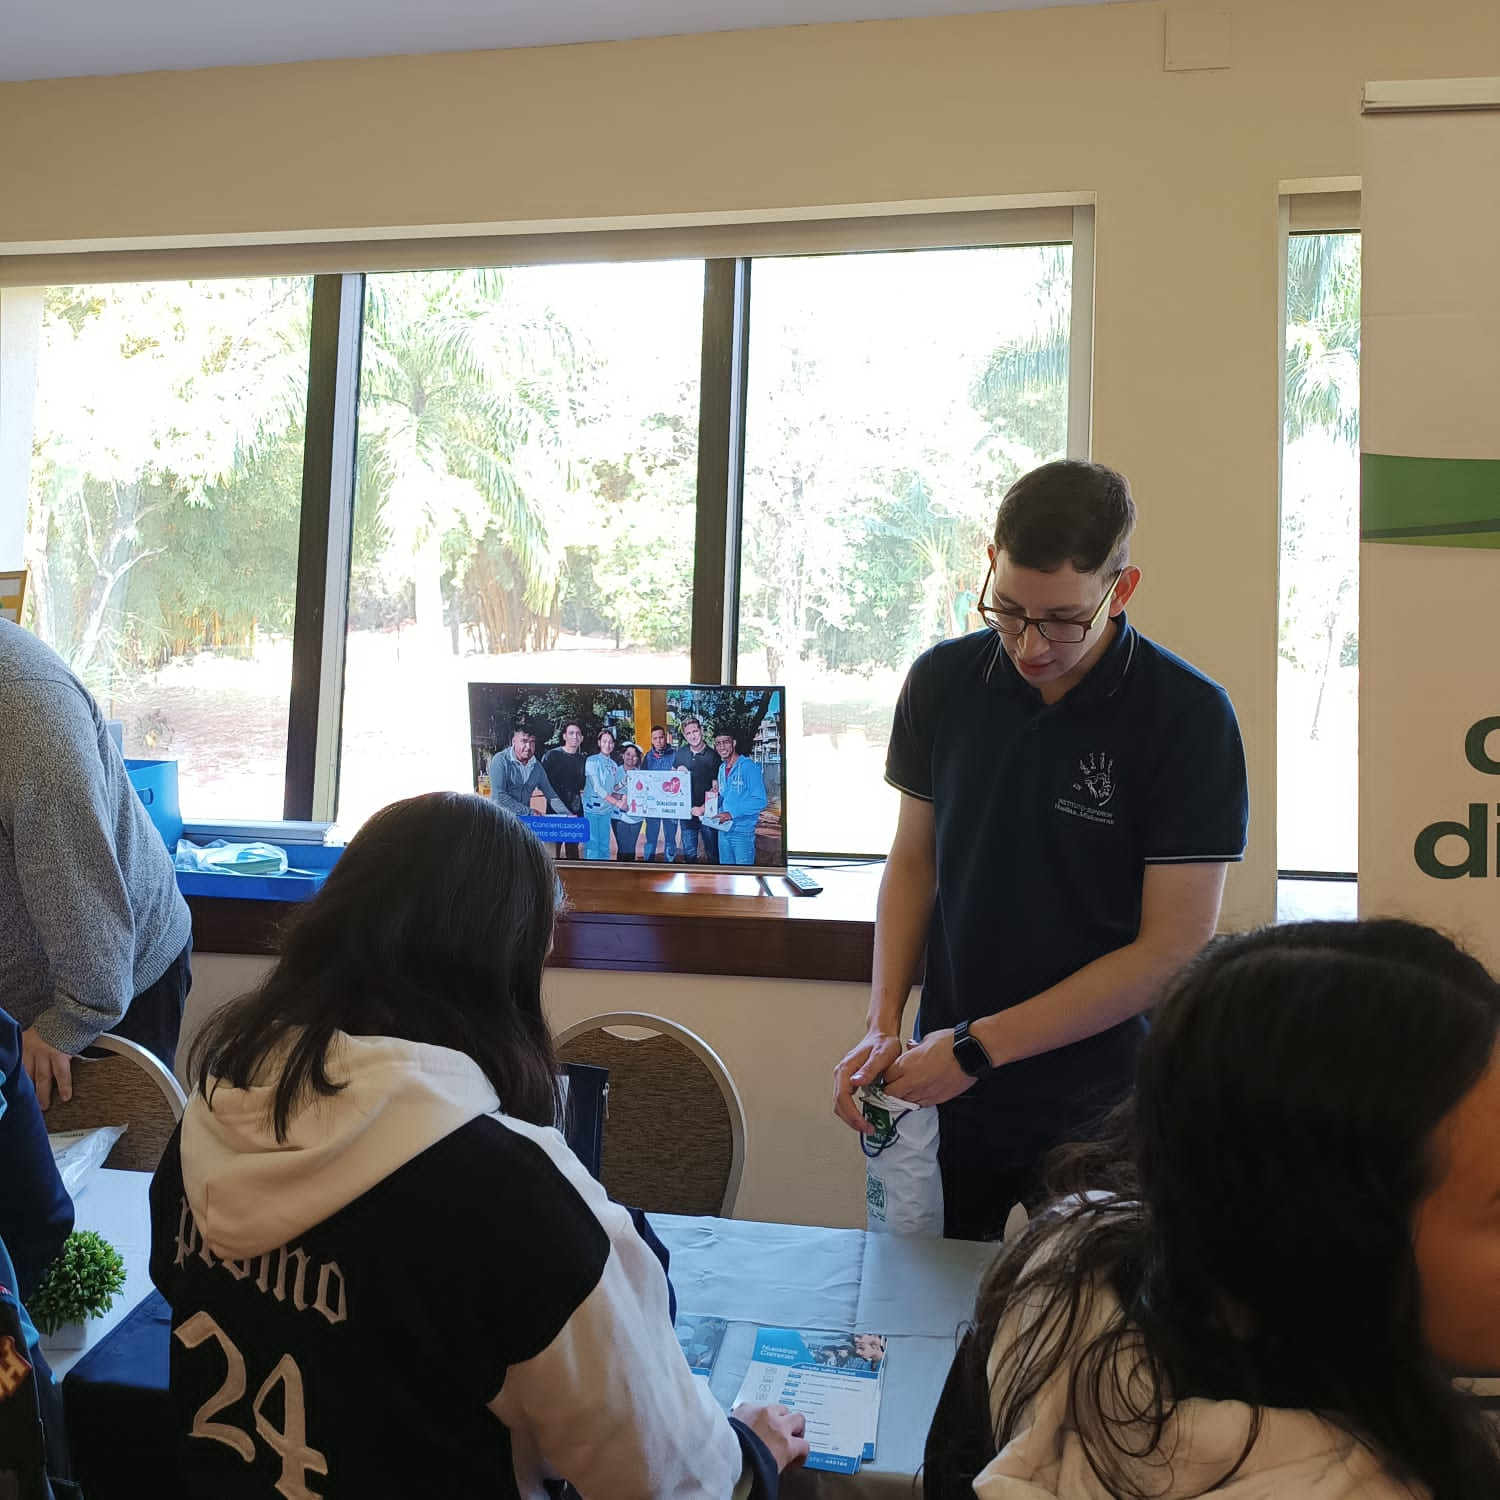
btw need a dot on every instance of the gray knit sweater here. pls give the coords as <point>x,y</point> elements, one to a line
<point>90,914</point>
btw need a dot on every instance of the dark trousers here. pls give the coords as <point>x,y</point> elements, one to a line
<point>155,1015</point>
<point>694,829</point>
<point>993,1155</point>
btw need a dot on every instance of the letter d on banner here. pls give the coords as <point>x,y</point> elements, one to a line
<point>1474,833</point>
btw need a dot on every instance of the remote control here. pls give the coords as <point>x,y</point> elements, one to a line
<point>801,882</point>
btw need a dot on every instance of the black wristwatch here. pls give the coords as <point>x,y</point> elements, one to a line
<point>969,1052</point>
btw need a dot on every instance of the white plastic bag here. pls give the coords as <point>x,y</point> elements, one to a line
<point>220,857</point>
<point>903,1191</point>
<point>80,1153</point>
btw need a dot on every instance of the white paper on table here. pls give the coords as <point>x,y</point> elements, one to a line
<point>816,1373</point>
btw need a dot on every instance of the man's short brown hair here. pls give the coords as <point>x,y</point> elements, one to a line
<point>1069,511</point>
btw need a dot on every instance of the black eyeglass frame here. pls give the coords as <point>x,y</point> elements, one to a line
<point>992,616</point>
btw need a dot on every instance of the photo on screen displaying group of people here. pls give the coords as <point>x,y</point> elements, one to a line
<point>654,775</point>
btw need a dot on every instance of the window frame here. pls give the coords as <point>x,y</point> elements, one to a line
<point>339,271</point>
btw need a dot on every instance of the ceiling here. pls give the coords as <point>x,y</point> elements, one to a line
<point>66,38</point>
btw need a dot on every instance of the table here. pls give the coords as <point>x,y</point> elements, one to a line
<point>113,1203</point>
<point>917,1291</point>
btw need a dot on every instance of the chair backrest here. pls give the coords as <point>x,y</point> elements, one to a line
<point>674,1129</point>
<point>123,1085</point>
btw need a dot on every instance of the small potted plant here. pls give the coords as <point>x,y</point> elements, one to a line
<point>80,1284</point>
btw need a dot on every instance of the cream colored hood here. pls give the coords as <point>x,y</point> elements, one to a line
<point>250,1193</point>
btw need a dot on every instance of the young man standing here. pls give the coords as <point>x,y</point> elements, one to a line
<point>563,765</point>
<point>701,761</point>
<point>742,797</point>
<point>1071,796</point>
<point>661,757</point>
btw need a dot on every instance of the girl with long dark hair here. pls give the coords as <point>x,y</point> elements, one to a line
<point>388,1274</point>
<point>1264,1282</point>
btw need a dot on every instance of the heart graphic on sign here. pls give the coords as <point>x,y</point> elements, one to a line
<point>674,785</point>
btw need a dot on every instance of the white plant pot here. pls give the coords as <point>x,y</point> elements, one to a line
<point>68,1336</point>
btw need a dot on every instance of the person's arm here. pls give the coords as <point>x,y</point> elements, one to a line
<point>1179,911</point>
<point>756,803</point>
<point>54,800</point>
<point>544,781</point>
<point>36,1214</point>
<point>908,889</point>
<point>611,1405</point>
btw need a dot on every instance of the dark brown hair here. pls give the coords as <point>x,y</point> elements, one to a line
<point>1067,512</point>
<point>1252,1212</point>
<point>434,927</point>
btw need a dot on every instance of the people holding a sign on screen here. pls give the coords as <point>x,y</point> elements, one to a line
<point>94,936</point>
<point>701,761</point>
<point>603,794</point>
<point>564,767</point>
<point>661,757</point>
<point>742,797</point>
<point>628,823</point>
<point>516,775</point>
<point>1071,796</point>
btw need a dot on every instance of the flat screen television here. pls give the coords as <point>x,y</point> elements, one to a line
<point>669,776</point>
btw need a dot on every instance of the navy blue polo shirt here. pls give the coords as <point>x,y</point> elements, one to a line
<point>1046,817</point>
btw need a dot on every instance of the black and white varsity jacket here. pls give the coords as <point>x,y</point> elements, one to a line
<point>417,1295</point>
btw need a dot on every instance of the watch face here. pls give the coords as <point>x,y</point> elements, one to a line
<point>971,1056</point>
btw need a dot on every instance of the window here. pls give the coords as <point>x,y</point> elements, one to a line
<point>160,512</point>
<point>1317,680</point>
<point>893,398</point>
<point>279,523</point>
<point>524,502</point>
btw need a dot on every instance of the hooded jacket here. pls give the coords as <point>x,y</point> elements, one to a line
<point>415,1294</point>
<point>1297,1455</point>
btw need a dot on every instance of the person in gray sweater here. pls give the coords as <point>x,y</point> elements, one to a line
<point>94,935</point>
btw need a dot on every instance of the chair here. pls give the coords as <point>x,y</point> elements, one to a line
<point>126,1085</point>
<point>674,1127</point>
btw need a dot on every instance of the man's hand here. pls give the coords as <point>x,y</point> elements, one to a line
<point>726,817</point>
<point>872,1057</point>
<point>780,1429</point>
<point>928,1073</point>
<point>48,1068</point>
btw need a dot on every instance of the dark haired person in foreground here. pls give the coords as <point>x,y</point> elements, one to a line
<point>1267,1278</point>
<point>1071,795</point>
<point>389,1276</point>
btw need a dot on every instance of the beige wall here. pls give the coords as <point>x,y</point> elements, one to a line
<point>1185,169</point>
<point>778,1042</point>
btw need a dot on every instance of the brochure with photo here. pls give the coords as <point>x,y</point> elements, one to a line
<point>833,1378</point>
<point>700,1338</point>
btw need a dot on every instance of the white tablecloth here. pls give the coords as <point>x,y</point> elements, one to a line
<point>113,1203</point>
<point>917,1291</point>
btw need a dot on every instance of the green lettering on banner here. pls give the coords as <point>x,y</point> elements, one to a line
<point>1429,502</point>
<point>1474,833</point>
<point>1476,746</point>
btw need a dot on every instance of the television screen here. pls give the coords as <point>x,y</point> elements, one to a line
<point>646,775</point>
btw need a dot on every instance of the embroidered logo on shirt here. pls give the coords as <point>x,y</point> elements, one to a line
<point>1095,787</point>
<point>1098,777</point>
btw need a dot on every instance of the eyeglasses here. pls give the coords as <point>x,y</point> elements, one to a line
<point>1062,632</point>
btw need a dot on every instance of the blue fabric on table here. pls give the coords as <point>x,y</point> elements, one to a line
<point>119,1418</point>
